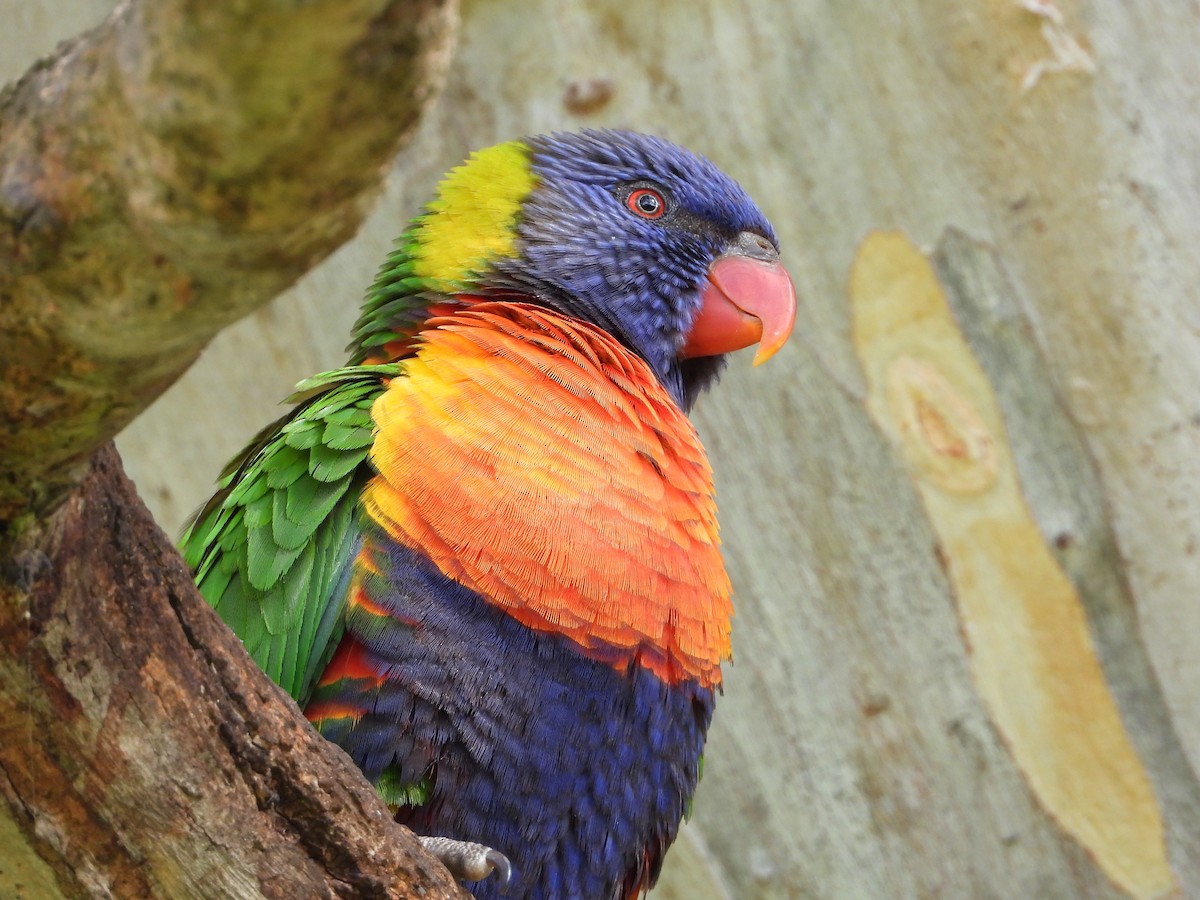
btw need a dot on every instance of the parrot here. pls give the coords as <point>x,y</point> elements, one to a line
<point>483,556</point>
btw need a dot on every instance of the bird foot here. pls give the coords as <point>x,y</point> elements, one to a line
<point>468,861</point>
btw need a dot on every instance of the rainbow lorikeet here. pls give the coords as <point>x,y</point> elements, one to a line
<point>483,556</point>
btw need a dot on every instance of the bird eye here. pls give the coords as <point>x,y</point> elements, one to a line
<point>647,203</point>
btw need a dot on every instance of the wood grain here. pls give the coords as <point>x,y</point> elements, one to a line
<point>144,755</point>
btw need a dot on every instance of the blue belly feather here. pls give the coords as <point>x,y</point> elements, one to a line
<point>577,771</point>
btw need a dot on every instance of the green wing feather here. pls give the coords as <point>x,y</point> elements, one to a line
<point>397,303</point>
<point>271,550</point>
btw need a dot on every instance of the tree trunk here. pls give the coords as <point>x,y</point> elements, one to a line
<point>168,172</point>
<point>143,753</point>
<point>161,176</point>
<point>959,511</point>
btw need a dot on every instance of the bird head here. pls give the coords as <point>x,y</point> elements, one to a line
<point>636,235</point>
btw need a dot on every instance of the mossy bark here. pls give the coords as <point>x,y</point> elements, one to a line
<point>161,176</point>
<point>165,174</point>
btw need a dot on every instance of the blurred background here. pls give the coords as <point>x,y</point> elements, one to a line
<point>860,749</point>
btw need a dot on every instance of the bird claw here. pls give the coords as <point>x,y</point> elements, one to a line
<point>469,861</point>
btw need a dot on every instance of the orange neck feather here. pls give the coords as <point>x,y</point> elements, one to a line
<point>537,461</point>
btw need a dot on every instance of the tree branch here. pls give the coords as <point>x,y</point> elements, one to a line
<point>142,751</point>
<point>165,174</point>
<point>160,177</point>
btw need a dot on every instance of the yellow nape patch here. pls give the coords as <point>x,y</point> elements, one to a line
<point>474,216</point>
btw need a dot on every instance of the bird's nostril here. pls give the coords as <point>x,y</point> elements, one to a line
<point>756,246</point>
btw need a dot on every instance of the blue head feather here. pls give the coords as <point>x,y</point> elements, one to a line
<point>583,251</point>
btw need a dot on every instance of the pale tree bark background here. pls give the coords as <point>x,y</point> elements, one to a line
<point>961,509</point>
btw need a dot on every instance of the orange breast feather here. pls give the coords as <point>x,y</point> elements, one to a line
<point>538,462</point>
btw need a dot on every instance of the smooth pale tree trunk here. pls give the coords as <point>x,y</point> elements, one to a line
<point>960,510</point>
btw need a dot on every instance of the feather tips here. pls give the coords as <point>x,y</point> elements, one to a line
<point>270,556</point>
<point>539,463</point>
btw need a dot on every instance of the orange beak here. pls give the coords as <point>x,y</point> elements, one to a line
<point>744,301</point>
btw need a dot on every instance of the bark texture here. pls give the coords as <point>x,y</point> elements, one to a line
<point>144,755</point>
<point>161,176</point>
<point>165,174</point>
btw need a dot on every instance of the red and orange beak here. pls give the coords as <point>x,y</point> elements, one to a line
<point>745,300</point>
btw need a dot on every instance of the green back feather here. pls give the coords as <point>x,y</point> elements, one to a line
<point>469,224</point>
<point>397,303</point>
<point>272,549</point>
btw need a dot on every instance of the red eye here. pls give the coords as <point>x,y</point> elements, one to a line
<point>647,203</point>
